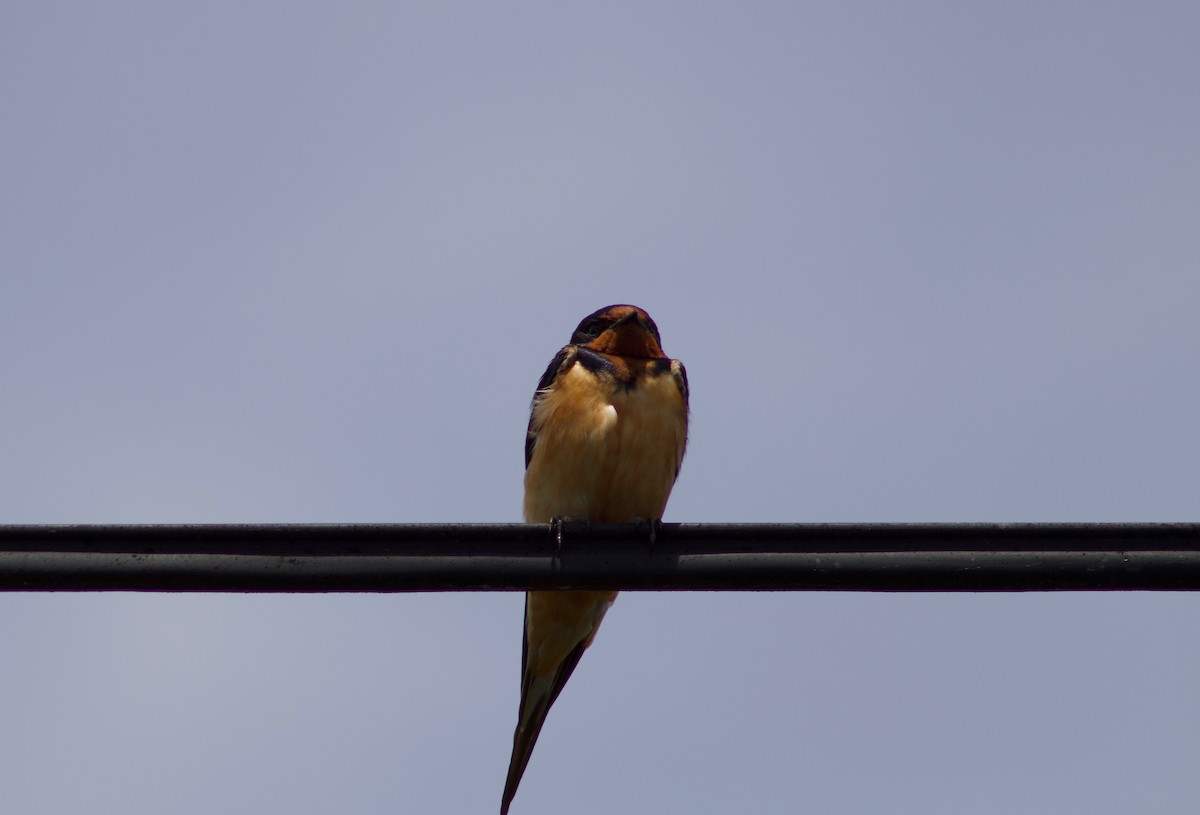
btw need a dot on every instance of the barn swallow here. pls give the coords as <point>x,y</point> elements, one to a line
<point>607,431</point>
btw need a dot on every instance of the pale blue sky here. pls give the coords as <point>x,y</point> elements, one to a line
<point>301,262</point>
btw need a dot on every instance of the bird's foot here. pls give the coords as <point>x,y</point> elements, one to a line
<point>556,534</point>
<point>654,524</point>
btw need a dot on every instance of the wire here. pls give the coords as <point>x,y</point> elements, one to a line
<point>506,557</point>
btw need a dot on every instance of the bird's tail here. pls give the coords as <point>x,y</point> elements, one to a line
<point>538,694</point>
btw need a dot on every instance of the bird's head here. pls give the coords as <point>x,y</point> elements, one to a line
<point>621,330</point>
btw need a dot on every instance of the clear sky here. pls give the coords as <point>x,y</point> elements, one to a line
<point>296,262</point>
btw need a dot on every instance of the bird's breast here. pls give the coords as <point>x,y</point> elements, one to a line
<point>606,450</point>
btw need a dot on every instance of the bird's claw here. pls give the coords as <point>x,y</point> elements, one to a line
<point>654,524</point>
<point>556,534</point>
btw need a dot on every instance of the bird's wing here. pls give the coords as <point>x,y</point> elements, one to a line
<point>563,360</point>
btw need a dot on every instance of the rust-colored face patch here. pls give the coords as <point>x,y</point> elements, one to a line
<point>630,337</point>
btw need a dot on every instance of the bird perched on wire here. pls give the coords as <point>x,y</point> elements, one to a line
<point>607,431</point>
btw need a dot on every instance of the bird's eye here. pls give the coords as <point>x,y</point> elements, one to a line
<point>594,328</point>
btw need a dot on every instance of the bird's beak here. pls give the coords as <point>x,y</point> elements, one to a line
<point>631,317</point>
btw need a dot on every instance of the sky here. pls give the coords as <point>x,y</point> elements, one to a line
<point>298,262</point>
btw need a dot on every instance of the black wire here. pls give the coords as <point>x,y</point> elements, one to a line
<point>490,557</point>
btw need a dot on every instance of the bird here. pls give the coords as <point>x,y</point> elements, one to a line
<point>608,427</point>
